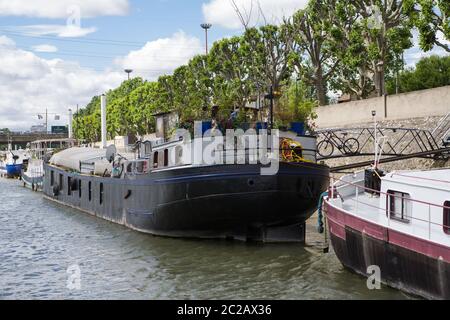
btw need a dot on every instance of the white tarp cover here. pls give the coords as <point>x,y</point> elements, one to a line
<point>70,158</point>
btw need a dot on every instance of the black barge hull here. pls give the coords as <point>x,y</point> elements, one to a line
<point>227,201</point>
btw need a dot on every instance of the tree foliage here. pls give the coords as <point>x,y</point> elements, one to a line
<point>346,46</point>
<point>430,72</point>
<point>432,20</point>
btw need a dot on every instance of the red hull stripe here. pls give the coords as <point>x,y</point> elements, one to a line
<point>338,220</point>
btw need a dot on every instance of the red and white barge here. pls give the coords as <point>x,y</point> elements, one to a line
<point>399,222</point>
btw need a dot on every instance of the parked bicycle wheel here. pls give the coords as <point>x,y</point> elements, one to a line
<point>325,148</point>
<point>351,146</point>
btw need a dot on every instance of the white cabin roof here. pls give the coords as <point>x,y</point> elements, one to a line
<point>438,179</point>
<point>70,158</point>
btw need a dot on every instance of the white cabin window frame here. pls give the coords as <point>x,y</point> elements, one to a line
<point>399,206</point>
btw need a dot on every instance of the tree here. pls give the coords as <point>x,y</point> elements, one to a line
<point>230,74</point>
<point>199,82</point>
<point>385,26</point>
<point>87,122</point>
<point>297,104</point>
<point>353,73</point>
<point>267,53</point>
<point>311,28</point>
<point>432,19</point>
<point>429,73</point>
<point>369,37</point>
<point>346,45</point>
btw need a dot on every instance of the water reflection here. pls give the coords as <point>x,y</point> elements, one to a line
<point>39,240</point>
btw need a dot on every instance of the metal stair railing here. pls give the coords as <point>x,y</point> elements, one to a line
<point>442,131</point>
<point>353,142</point>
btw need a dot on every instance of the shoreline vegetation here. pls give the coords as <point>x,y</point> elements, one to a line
<point>354,48</point>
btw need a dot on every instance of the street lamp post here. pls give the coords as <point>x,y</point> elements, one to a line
<point>128,71</point>
<point>206,27</point>
<point>270,96</point>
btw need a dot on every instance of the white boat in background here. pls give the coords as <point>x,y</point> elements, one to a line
<point>33,177</point>
<point>41,151</point>
<point>399,222</point>
<point>2,165</point>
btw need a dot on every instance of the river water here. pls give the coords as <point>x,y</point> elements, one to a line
<point>41,243</point>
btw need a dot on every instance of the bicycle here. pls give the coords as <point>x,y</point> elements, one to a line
<point>326,147</point>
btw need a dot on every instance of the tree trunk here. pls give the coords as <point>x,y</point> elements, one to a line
<point>379,82</point>
<point>320,88</point>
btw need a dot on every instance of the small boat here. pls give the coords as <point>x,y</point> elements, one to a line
<point>15,162</point>
<point>33,176</point>
<point>13,170</point>
<point>398,222</point>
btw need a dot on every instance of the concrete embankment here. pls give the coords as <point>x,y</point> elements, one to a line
<point>418,110</point>
<point>418,104</point>
<point>425,123</point>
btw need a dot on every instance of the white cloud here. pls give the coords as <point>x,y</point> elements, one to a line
<point>222,12</point>
<point>6,42</point>
<point>161,56</point>
<point>66,31</point>
<point>62,8</point>
<point>441,38</point>
<point>30,84</point>
<point>45,48</point>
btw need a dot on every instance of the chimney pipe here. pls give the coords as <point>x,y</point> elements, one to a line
<point>103,117</point>
<point>70,124</point>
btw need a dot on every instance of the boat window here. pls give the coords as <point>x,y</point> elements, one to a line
<point>101,193</point>
<point>52,178</point>
<point>147,148</point>
<point>166,157</point>
<point>79,188</point>
<point>447,217</point>
<point>155,159</point>
<point>90,190</point>
<point>61,181</point>
<point>399,206</point>
<point>69,186</point>
<point>140,167</point>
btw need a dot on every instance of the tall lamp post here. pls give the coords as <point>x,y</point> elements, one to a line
<point>206,27</point>
<point>128,71</point>
<point>270,96</point>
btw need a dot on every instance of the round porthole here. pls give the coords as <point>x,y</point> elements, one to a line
<point>251,182</point>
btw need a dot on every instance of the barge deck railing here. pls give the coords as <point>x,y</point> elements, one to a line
<point>347,186</point>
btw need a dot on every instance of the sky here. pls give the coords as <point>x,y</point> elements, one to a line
<point>55,54</point>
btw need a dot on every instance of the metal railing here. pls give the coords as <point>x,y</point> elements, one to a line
<point>442,131</point>
<point>352,142</point>
<point>393,215</point>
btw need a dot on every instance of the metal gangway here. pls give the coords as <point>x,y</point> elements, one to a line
<point>393,144</point>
